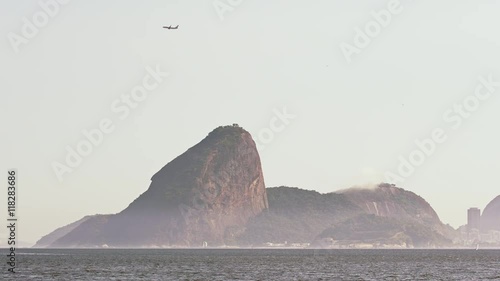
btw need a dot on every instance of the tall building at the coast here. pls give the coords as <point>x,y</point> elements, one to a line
<point>483,228</point>
<point>473,218</point>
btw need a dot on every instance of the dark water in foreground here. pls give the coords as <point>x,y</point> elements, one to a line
<point>210,264</point>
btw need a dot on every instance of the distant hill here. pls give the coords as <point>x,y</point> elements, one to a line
<point>387,200</point>
<point>50,238</point>
<point>385,215</point>
<point>297,215</point>
<point>490,219</point>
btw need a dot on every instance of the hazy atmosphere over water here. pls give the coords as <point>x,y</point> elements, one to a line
<point>341,120</point>
<point>161,264</point>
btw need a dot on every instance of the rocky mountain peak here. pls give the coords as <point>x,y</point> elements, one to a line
<point>206,194</point>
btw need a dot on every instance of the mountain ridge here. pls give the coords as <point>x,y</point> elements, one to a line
<point>214,193</point>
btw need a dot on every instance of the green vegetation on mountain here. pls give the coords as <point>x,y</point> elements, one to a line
<point>384,215</point>
<point>369,228</point>
<point>296,215</point>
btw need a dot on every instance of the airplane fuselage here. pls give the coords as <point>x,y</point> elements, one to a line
<point>170,27</point>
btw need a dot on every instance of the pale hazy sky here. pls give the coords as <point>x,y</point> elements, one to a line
<point>352,120</point>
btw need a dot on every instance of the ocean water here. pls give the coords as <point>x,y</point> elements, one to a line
<point>255,264</point>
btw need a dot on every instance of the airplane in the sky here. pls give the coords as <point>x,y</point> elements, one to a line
<point>170,27</point>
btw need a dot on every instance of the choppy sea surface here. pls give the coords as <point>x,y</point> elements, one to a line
<point>253,264</point>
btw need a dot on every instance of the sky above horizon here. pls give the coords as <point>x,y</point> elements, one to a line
<point>335,93</point>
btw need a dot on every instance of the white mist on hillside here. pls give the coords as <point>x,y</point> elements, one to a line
<point>370,186</point>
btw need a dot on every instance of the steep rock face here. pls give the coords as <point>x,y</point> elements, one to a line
<point>490,219</point>
<point>206,194</point>
<point>411,214</point>
<point>387,200</point>
<point>413,211</point>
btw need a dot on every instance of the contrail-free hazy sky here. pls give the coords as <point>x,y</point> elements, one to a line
<point>324,118</point>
